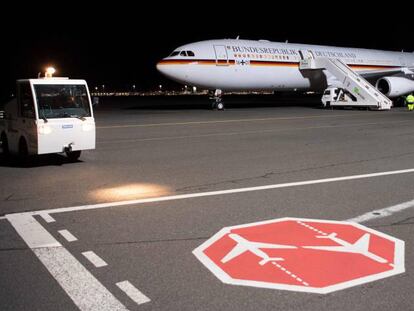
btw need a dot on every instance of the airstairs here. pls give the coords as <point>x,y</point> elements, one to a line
<point>364,93</point>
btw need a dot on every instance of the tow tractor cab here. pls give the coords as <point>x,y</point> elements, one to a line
<point>50,115</point>
<point>334,96</point>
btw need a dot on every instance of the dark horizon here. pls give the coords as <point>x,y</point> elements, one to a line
<point>104,49</point>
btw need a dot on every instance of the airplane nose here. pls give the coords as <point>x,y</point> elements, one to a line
<point>170,70</point>
<point>160,66</point>
<point>165,68</point>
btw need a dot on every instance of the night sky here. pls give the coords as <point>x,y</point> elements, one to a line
<point>119,45</point>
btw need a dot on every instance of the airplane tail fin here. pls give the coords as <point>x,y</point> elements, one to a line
<point>363,242</point>
<point>363,245</point>
<point>266,260</point>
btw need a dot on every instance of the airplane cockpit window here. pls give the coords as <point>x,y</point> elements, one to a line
<point>182,53</point>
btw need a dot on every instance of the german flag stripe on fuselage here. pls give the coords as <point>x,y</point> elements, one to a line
<point>262,63</point>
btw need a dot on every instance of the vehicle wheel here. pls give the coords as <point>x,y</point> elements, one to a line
<point>23,155</point>
<point>220,106</point>
<point>4,144</point>
<point>73,155</point>
<point>23,149</point>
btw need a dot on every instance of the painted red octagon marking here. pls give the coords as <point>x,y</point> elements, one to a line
<point>309,255</point>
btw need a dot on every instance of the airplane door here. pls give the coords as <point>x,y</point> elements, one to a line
<point>222,58</point>
<point>306,54</point>
<point>403,61</point>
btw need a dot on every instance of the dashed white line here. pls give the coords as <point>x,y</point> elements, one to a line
<point>67,235</point>
<point>47,217</point>
<point>133,292</point>
<point>97,261</point>
<point>311,228</point>
<point>82,287</point>
<point>279,266</point>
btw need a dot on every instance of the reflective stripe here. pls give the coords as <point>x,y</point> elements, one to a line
<point>410,99</point>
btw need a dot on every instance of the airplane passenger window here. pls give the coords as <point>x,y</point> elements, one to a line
<point>183,53</point>
<point>190,53</point>
<point>175,53</point>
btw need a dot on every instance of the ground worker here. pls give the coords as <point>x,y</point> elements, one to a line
<point>410,102</point>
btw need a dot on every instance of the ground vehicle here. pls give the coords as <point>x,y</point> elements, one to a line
<point>50,115</point>
<point>334,96</point>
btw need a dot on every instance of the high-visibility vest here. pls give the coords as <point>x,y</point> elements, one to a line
<point>410,99</point>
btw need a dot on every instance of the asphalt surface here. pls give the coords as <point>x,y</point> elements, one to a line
<point>147,149</point>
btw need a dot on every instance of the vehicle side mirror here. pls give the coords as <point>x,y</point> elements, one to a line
<point>95,101</point>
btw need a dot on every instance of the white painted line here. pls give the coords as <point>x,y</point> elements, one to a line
<point>67,235</point>
<point>384,212</point>
<point>32,231</point>
<point>47,217</point>
<point>97,261</point>
<point>279,266</point>
<point>3,218</point>
<point>133,292</point>
<point>222,192</point>
<point>226,121</point>
<point>123,141</point>
<point>82,287</point>
<point>311,228</point>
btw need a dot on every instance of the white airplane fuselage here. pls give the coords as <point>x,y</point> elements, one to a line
<point>245,65</point>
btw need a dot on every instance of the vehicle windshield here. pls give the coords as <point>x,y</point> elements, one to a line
<point>62,101</point>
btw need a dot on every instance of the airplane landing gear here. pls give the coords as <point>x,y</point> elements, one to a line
<point>218,100</point>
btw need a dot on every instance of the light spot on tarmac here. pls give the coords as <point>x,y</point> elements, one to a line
<point>130,192</point>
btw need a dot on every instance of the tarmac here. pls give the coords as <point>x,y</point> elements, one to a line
<point>153,148</point>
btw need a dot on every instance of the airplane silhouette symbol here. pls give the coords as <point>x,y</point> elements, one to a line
<point>359,247</point>
<point>244,245</point>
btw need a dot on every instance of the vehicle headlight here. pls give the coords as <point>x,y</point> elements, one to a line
<point>45,129</point>
<point>86,127</point>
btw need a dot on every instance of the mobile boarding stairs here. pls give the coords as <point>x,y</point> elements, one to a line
<point>364,93</point>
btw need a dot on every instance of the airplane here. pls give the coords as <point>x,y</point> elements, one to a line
<point>246,65</point>
<point>244,245</point>
<point>359,247</point>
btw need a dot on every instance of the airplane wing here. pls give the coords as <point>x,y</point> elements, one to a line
<point>236,251</point>
<point>376,74</point>
<point>360,246</point>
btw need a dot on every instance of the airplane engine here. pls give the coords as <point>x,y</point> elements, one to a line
<point>395,86</point>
